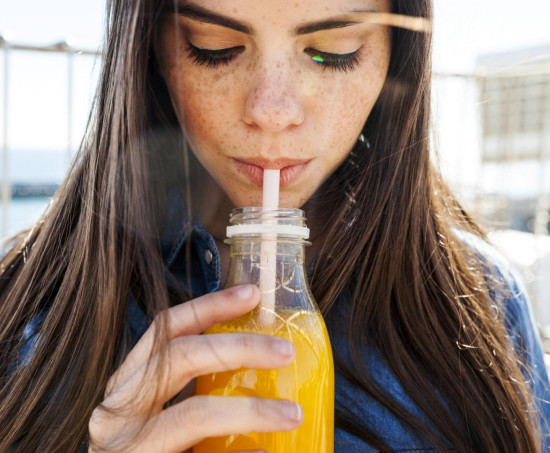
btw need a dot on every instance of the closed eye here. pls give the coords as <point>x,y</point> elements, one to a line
<point>337,62</point>
<point>213,58</point>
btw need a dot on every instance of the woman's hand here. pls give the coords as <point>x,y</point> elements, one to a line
<point>189,354</point>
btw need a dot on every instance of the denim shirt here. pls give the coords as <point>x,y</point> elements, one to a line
<point>206,277</point>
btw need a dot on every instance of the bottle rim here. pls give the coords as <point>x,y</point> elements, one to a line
<point>268,229</point>
<point>250,212</point>
<point>268,221</point>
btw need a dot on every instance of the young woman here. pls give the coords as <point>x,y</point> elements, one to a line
<point>103,301</point>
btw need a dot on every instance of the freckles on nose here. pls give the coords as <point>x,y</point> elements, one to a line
<point>274,104</point>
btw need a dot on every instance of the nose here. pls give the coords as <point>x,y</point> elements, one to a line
<point>273,102</point>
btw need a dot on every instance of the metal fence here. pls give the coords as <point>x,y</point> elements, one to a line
<point>463,106</point>
<point>508,192</point>
<point>8,49</point>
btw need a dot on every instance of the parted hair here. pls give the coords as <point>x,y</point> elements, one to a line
<point>417,292</point>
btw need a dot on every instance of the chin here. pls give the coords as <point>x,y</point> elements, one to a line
<point>257,201</point>
<point>240,201</point>
<point>293,201</point>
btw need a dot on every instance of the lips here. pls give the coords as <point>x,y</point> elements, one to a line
<point>253,168</point>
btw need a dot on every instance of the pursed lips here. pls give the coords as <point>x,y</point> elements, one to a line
<point>253,168</point>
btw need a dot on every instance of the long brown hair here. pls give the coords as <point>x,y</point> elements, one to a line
<point>416,293</point>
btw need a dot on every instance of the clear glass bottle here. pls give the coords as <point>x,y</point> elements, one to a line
<point>267,248</point>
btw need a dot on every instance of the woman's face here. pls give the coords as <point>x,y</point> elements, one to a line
<point>274,84</point>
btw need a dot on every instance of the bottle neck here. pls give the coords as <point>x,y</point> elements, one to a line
<point>248,256</point>
<point>267,248</point>
<point>253,247</point>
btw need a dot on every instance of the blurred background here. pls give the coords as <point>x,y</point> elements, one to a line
<point>491,115</point>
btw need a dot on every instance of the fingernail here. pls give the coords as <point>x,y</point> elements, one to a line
<point>292,410</point>
<point>283,347</point>
<point>244,291</point>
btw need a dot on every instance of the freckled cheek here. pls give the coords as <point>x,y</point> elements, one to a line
<point>364,92</point>
<point>311,85</point>
<point>360,106</point>
<point>201,109</point>
<point>344,109</point>
<point>197,117</point>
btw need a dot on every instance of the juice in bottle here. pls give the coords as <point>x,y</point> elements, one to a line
<point>290,312</point>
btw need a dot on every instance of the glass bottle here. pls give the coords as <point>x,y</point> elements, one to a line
<point>267,248</point>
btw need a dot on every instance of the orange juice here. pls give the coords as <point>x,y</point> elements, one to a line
<point>309,380</point>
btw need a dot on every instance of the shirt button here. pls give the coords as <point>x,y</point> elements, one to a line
<point>208,256</point>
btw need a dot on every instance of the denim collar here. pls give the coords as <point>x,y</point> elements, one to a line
<point>204,260</point>
<point>176,231</point>
<point>204,256</point>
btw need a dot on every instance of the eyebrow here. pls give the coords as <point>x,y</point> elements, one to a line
<point>202,14</point>
<point>205,15</point>
<point>328,24</point>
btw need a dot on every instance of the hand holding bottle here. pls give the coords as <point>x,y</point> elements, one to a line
<point>267,248</point>
<point>184,424</point>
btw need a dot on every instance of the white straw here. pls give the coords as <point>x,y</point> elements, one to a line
<point>271,188</point>
<point>268,262</point>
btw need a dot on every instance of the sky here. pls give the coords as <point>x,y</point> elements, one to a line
<point>463,28</point>
<point>38,101</point>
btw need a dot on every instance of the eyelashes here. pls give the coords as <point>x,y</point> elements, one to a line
<point>213,58</point>
<point>338,62</point>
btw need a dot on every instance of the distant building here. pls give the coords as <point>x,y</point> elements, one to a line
<point>514,100</point>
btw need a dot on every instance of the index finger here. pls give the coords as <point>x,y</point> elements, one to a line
<point>190,318</point>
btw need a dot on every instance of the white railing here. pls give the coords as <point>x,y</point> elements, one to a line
<point>454,86</point>
<point>8,47</point>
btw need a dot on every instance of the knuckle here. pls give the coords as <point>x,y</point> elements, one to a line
<point>96,422</point>
<point>246,342</point>
<point>258,407</point>
<point>193,412</point>
<point>156,320</point>
<point>181,351</point>
<point>161,320</point>
<point>109,387</point>
<point>112,384</point>
<point>218,297</point>
<point>194,310</point>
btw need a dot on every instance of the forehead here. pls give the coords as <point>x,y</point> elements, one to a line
<point>286,14</point>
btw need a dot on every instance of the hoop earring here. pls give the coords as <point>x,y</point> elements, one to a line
<point>351,191</point>
<point>364,140</point>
